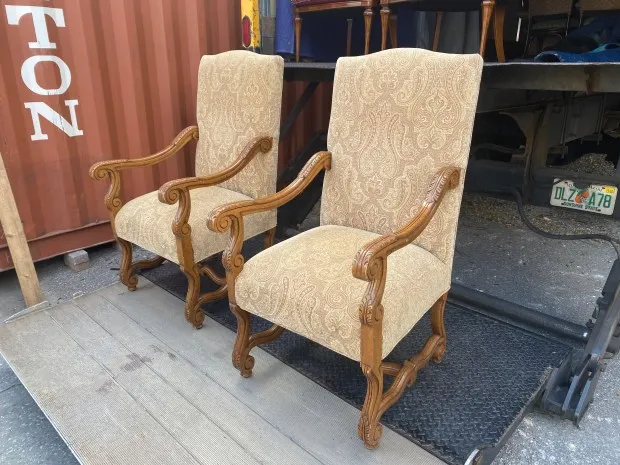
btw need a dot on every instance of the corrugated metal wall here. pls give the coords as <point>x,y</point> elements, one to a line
<point>123,76</point>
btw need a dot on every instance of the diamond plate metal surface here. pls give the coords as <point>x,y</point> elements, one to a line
<point>489,375</point>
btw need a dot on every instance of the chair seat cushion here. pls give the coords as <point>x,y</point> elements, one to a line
<point>147,222</point>
<point>305,284</point>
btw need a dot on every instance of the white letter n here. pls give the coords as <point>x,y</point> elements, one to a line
<point>38,109</point>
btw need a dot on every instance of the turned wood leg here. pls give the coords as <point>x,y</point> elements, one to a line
<point>498,31</point>
<point>438,21</point>
<point>394,31</point>
<point>126,274</point>
<point>297,36</point>
<point>270,237</point>
<point>487,12</point>
<point>385,25</point>
<point>437,325</point>
<point>367,27</point>
<point>193,313</point>
<point>349,35</point>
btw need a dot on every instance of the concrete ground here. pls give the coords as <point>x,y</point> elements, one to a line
<point>495,254</point>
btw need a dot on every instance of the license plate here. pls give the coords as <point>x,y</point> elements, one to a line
<point>595,198</point>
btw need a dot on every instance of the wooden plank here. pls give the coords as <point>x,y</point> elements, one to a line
<point>97,418</point>
<point>16,240</point>
<point>205,419</point>
<point>312,417</point>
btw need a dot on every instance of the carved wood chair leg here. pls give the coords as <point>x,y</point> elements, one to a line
<point>385,25</point>
<point>270,237</point>
<point>193,313</point>
<point>369,428</point>
<point>438,21</point>
<point>297,36</point>
<point>241,358</point>
<point>367,28</point>
<point>377,402</point>
<point>487,12</point>
<point>394,31</point>
<point>126,275</point>
<point>437,325</point>
<point>498,31</point>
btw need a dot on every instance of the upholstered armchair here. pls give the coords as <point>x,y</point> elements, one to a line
<point>238,114</point>
<point>399,139</point>
<point>310,6</point>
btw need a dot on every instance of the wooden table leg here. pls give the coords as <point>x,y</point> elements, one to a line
<point>498,31</point>
<point>438,21</point>
<point>297,36</point>
<point>487,12</point>
<point>385,17</point>
<point>367,27</point>
<point>394,31</point>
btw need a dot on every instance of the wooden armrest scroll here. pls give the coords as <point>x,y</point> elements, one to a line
<point>111,168</point>
<point>220,218</point>
<point>171,191</point>
<point>231,215</point>
<point>369,260</point>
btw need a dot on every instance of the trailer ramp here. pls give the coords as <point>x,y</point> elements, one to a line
<point>462,410</point>
<point>125,380</point>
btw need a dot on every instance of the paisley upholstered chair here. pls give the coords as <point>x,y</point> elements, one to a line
<point>238,114</point>
<point>399,139</point>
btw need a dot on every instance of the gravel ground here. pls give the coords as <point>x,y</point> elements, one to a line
<point>495,253</point>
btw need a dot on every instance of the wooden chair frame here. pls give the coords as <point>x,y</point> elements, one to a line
<point>370,264</point>
<point>171,193</point>
<point>368,5</point>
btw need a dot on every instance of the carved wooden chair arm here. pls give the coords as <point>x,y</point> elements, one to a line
<point>112,168</point>
<point>171,191</point>
<point>221,218</point>
<point>369,260</point>
<point>101,169</point>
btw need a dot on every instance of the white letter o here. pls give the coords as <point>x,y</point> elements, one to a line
<point>30,79</point>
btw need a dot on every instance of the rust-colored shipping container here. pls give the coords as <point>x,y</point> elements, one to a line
<point>87,80</point>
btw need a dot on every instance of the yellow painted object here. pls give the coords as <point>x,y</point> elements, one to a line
<point>250,25</point>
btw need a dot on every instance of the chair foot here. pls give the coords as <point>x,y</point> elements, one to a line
<point>127,269</point>
<point>244,343</point>
<point>125,272</point>
<point>369,429</point>
<point>194,300</point>
<point>377,401</point>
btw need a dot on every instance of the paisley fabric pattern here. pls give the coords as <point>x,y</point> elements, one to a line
<point>398,117</point>
<point>147,222</point>
<point>305,285</point>
<point>239,100</point>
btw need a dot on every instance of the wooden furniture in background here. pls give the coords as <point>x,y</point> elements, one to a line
<point>547,18</point>
<point>390,205</point>
<point>309,6</point>
<point>16,240</point>
<point>238,112</point>
<point>587,6</point>
<point>489,8</point>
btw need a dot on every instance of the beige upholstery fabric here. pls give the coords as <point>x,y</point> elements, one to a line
<point>239,99</point>
<point>305,284</point>
<point>147,222</point>
<point>398,117</point>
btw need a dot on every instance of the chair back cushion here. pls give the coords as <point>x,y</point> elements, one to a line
<point>239,99</point>
<point>398,117</point>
